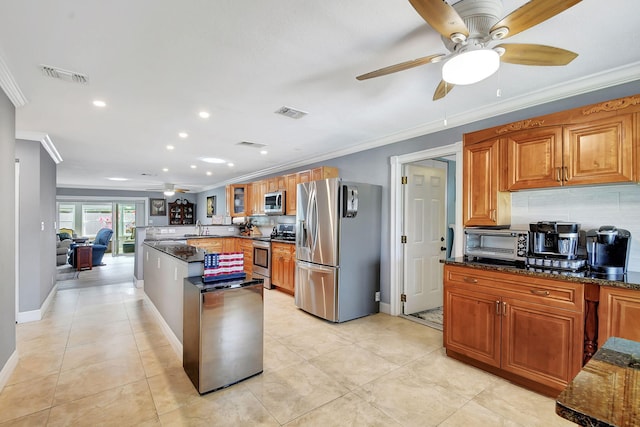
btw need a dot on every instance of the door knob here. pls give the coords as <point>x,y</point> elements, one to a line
<point>443,248</point>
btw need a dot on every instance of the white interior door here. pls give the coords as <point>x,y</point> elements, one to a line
<point>425,227</point>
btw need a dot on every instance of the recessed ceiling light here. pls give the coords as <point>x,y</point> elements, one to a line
<point>212,160</point>
<point>263,152</point>
<point>170,147</point>
<point>99,103</point>
<point>183,134</point>
<point>209,173</point>
<point>165,169</point>
<point>115,178</point>
<point>230,164</point>
<point>193,166</point>
<point>204,114</point>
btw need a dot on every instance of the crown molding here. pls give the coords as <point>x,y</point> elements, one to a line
<point>10,86</point>
<point>43,139</point>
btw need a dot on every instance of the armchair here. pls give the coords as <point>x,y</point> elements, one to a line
<point>62,250</point>
<point>100,244</point>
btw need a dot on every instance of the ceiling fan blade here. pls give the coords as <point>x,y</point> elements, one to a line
<point>442,90</point>
<point>532,13</point>
<point>535,54</point>
<point>441,17</point>
<point>399,67</point>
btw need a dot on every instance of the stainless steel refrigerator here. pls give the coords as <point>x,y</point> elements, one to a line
<point>222,332</point>
<point>338,249</point>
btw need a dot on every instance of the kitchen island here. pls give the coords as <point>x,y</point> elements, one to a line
<point>606,392</point>
<point>534,328</point>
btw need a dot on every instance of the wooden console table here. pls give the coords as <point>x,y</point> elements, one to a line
<point>84,257</point>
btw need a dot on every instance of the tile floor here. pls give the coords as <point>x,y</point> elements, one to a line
<point>99,358</point>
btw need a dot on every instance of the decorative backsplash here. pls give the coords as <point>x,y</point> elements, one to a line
<point>591,207</point>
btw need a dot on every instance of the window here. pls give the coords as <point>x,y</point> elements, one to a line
<point>95,217</point>
<point>66,217</point>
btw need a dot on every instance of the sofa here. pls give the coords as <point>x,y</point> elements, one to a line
<point>62,249</point>
<point>99,247</point>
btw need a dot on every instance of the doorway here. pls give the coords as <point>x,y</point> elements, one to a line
<point>400,276</point>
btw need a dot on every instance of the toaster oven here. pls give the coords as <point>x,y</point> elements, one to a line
<point>498,244</point>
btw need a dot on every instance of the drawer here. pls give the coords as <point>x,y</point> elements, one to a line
<point>560,293</point>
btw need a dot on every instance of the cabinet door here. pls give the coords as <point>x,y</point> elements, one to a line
<point>289,267</point>
<point>541,343</point>
<point>534,158</point>
<point>277,265</point>
<point>472,324</point>
<point>238,199</point>
<point>599,152</point>
<point>229,245</point>
<point>619,314</point>
<point>291,195</point>
<point>482,203</point>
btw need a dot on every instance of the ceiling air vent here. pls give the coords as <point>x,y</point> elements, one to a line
<point>250,144</point>
<point>66,75</point>
<point>291,112</point>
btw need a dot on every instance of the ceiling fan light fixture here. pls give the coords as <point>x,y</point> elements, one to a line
<point>169,193</point>
<point>471,67</point>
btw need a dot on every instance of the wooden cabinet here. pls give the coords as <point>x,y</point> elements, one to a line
<point>276,183</point>
<point>84,257</point>
<point>597,152</point>
<point>257,190</point>
<point>291,193</point>
<point>182,212</point>
<point>483,203</point>
<point>283,260</point>
<point>527,329</point>
<point>246,247</point>
<point>323,172</point>
<point>214,244</point>
<point>618,314</point>
<point>237,199</point>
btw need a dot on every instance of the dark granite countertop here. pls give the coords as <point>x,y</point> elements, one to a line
<point>606,392</point>
<point>181,251</point>
<point>631,280</point>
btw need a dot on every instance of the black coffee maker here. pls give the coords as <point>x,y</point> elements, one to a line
<point>608,251</point>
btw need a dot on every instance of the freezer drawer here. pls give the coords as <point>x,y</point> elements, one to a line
<point>316,290</point>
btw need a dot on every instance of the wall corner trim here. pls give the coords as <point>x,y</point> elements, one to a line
<point>8,369</point>
<point>10,86</point>
<point>46,142</point>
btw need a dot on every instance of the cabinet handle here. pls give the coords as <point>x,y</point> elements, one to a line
<point>504,308</point>
<point>497,308</point>
<point>540,292</point>
<point>470,280</point>
<point>566,173</point>
<point>558,178</point>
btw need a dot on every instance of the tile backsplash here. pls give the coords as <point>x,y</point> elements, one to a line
<point>591,207</point>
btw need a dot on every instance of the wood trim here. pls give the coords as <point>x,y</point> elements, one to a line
<point>613,105</point>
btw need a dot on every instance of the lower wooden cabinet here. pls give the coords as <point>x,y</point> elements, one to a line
<point>246,247</point>
<point>520,327</point>
<point>618,314</point>
<point>210,245</point>
<point>283,266</point>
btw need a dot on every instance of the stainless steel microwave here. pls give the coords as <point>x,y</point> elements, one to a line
<point>275,203</point>
<point>501,244</point>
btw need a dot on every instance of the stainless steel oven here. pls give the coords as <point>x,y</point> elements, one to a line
<point>262,261</point>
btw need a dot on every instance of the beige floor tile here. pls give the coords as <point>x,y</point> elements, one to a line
<point>91,379</point>
<point>475,415</point>
<point>28,397</point>
<point>353,366</point>
<point>33,330</point>
<point>148,340</point>
<point>397,348</point>
<point>54,342</point>
<point>158,360</point>
<point>294,391</point>
<point>98,314</point>
<point>127,405</point>
<point>463,379</point>
<point>99,351</point>
<point>519,405</point>
<point>409,401</point>
<point>313,345</point>
<point>228,407</point>
<point>36,419</point>
<point>348,410</point>
<point>171,390</point>
<point>36,365</point>
<point>278,356</point>
<point>83,333</point>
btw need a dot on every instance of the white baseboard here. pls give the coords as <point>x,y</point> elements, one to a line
<point>35,315</point>
<point>8,369</point>
<point>138,283</point>
<point>385,308</point>
<point>173,339</point>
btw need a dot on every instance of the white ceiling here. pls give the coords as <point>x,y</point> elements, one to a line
<point>157,63</point>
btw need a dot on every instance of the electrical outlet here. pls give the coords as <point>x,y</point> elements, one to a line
<point>377,296</point>
<point>231,229</point>
<point>42,226</point>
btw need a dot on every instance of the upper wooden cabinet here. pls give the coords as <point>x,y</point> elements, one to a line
<point>237,199</point>
<point>483,203</point>
<point>291,193</point>
<point>598,152</point>
<point>257,190</point>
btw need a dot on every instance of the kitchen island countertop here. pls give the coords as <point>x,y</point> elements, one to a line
<point>606,392</point>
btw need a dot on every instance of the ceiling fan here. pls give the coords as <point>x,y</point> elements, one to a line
<point>169,189</point>
<point>469,27</point>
